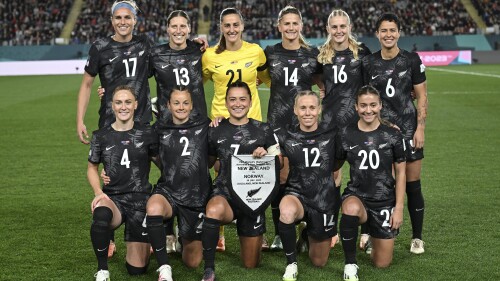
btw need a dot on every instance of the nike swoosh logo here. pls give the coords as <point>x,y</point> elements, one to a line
<point>275,64</point>
<point>345,239</point>
<point>198,231</point>
<point>418,210</point>
<point>108,148</point>
<point>166,136</point>
<point>413,152</point>
<point>161,249</point>
<point>328,229</point>
<point>257,226</point>
<point>217,66</point>
<point>163,66</point>
<point>295,144</point>
<point>102,250</point>
<point>352,147</point>
<point>220,141</point>
<point>144,234</point>
<point>373,77</point>
<point>110,60</point>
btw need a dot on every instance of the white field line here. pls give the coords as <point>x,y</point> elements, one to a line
<point>465,72</point>
<point>464,93</point>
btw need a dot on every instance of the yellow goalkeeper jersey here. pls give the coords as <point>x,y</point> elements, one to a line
<point>227,67</point>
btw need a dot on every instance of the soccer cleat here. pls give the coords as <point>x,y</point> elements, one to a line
<point>102,275</point>
<point>221,244</point>
<point>208,275</point>
<point>335,241</point>
<point>362,240</point>
<point>417,246</point>
<point>302,242</point>
<point>277,245</point>
<point>265,244</point>
<point>351,272</point>
<point>165,273</point>
<point>368,246</point>
<point>111,248</point>
<point>291,272</point>
<point>171,243</point>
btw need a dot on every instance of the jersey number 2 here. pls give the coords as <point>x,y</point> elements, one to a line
<point>231,72</point>
<point>314,151</point>
<point>184,151</point>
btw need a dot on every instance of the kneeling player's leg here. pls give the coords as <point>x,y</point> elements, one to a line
<point>319,251</point>
<point>105,218</point>
<point>382,252</point>
<point>137,259</point>
<point>158,209</point>
<point>192,252</point>
<point>291,210</point>
<point>353,213</point>
<point>250,231</point>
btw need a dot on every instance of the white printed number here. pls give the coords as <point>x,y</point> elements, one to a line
<point>389,89</point>
<point>236,147</point>
<point>373,159</point>
<point>292,79</point>
<point>181,76</point>
<point>387,215</point>
<point>127,68</point>
<point>184,151</point>
<point>328,222</point>
<point>125,162</point>
<point>339,76</point>
<point>314,151</point>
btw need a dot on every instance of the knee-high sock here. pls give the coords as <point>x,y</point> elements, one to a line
<point>338,203</point>
<point>99,234</point>
<point>156,233</point>
<point>415,207</point>
<point>349,234</point>
<point>209,241</point>
<point>288,237</point>
<point>275,208</point>
<point>169,226</point>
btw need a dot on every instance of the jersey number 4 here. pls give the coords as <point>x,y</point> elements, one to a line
<point>292,79</point>
<point>125,162</point>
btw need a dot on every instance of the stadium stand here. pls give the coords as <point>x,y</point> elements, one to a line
<point>489,11</point>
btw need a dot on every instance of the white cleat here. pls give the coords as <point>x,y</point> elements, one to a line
<point>165,273</point>
<point>351,272</point>
<point>291,272</point>
<point>417,246</point>
<point>102,275</point>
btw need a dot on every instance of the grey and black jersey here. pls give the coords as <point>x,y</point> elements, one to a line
<point>371,156</point>
<point>291,71</point>
<point>118,64</point>
<point>311,157</point>
<point>178,68</point>
<point>342,78</point>
<point>183,151</point>
<point>394,79</point>
<point>126,157</point>
<point>227,139</point>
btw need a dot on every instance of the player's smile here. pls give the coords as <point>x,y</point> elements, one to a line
<point>180,104</point>
<point>339,28</point>
<point>178,30</point>
<point>290,26</point>
<point>124,105</point>
<point>368,107</point>
<point>123,21</point>
<point>388,34</point>
<point>307,110</point>
<point>232,27</point>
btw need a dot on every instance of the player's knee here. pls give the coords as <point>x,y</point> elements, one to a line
<point>287,215</point>
<point>102,217</point>
<point>379,263</point>
<point>318,261</point>
<point>214,211</point>
<point>133,270</point>
<point>154,209</point>
<point>191,262</point>
<point>351,209</point>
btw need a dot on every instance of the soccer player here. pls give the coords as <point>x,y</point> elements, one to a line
<point>292,67</point>
<point>178,63</point>
<point>183,151</point>
<point>373,149</point>
<point>125,148</point>
<point>233,59</point>
<point>309,192</point>
<point>341,57</point>
<point>237,135</point>
<point>395,72</point>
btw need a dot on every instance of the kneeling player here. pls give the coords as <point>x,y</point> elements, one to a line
<point>372,195</point>
<point>125,148</point>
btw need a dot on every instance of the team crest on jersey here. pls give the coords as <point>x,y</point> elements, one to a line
<point>324,143</point>
<point>310,141</point>
<point>139,144</point>
<point>402,73</point>
<point>234,62</point>
<point>181,61</point>
<point>353,60</point>
<point>251,141</point>
<point>127,53</point>
<point>340,59</point>
<point>248,64</point>
<point>125,142</point>
<point>197,132</point>
<point>305,64</point>
<point>382,145</point>
<point>292,61</point>
<point>141,53</point>
<point>194,62</point>
<point>389,71</point>
<point>368,142</point>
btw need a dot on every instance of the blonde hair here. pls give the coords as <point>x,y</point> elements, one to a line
<point>292,10</point>
<point>326,51</point>
<point>306,93</point>
<point>221,45</point>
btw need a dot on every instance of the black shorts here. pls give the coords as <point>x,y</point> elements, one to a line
<point>132,207</point>
<point>188,219</point>
<point>249,226</point>
<point>320,225</point>
<point>411,153</point>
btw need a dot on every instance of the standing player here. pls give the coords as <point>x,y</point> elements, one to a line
<point>341,59</point>
<point>309,191</point>
<point>292,66</point>
<point>236,135</point>
<point>372,195</point>
<point>125,148</point>
<point>183,151</point>
<point>233,59</point>
<point>178,63</point>
<point>395,72</point>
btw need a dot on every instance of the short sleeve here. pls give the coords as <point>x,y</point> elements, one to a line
<point>365,69</point>
<point>95,150</point>
<point>262,60</point>
<point>340,153</point>
<point>271,138</point>
<point>417,69</point>
<point>154,146</point>
<point>398,149</point>
<point>212,149</point>
<point>92,65</point>
<point>206,64</point>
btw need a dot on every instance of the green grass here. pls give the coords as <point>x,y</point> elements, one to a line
<point>45,202</point>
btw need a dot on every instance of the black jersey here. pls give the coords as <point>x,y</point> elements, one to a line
<point>291,71</point>
<point>342,78</point>
<point>371,156</point>
<point>178,68</point>
<point>184,157</point>
<point>118,64</point>
<point>125,156</point>
<point>311,157</point>
<point>394,79</point>
<point>227,139</point>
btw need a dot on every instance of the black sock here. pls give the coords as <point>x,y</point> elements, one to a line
<point>338,202</point>
<point>112,236</point>
<point>415,207</point>
<point>288,237</point>
<point>365,229</point>
<point>99,234</point>
<point>209,241</point>
<point>156,233</point>
<point>349,233</point>
<point>169,226</point>
<point>275,209</point>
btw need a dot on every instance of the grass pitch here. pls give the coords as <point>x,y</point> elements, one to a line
<point>45,201</point>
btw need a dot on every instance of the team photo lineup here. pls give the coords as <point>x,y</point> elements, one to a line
<point>369,109</point>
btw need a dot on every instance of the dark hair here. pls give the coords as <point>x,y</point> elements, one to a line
<point>221,46</point>
<point>125,88</point>
<point>178,13</point>
<point>390,17</point>
<point>179,88</point>
<point>370,90</point>
<point>239,84</point>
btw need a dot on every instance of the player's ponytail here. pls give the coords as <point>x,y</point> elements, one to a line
<point>292,10</point>
<point>221,45</point>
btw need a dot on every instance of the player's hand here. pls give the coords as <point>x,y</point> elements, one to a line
<point>105,179</point>
<point>258,82</point>
<point>418,138</point>
<point>216,121</point>
<point>396,220</point>
<point>259,152</point>
<point>202,41</point>
<point>393,126</point>
<point>321,93</point>
<point>97,199</point>
<point>413,95</point>
<point>81,130</point>
<point>100,92</point>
